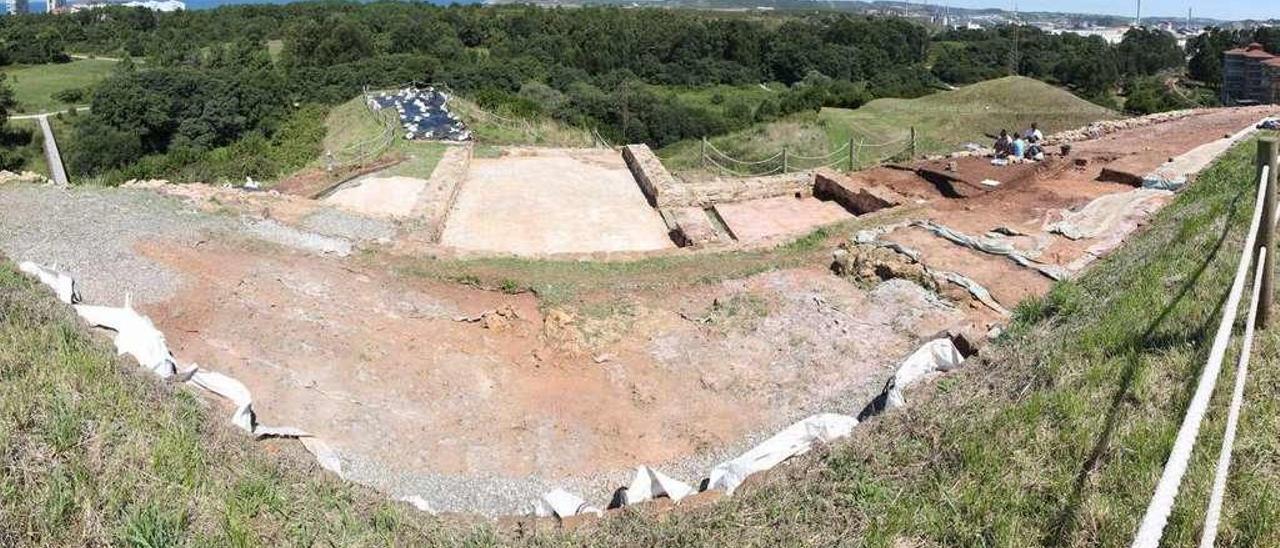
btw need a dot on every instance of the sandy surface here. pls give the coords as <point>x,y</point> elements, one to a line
<point>756,220</point>
<point>380,196</point>
<point>551,201</point>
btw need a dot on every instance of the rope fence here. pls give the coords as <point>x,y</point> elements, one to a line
<point>1259,242</point>
<point>852,155</point>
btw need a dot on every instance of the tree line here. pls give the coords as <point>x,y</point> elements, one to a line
<point>196,82</point>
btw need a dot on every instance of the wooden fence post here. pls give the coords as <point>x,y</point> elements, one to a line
<point>1267,150</point>
<point>913,142</point>
<point>704,152</point>
<point>851,149</point>
<point>784,159</point>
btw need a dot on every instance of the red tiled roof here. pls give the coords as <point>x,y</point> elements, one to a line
<point>1253,50</point>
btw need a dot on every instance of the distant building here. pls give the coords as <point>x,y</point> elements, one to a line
<point>56,6</point>
<point>1250,75</point>
<point>18,7</point>
<point>154,5</point>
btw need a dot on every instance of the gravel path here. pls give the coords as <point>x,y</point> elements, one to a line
<point>91,232</point>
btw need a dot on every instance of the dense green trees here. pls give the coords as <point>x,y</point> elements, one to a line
<point>207,82</point>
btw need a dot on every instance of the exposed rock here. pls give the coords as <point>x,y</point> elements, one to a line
<point>873,263</point>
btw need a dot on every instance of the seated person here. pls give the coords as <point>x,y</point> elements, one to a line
<point>1035,152</point>
<point>1019,148</point>
<point>1033,135</point>
<point>1003,145</point>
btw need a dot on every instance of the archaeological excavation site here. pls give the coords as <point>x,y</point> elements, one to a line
<point>522,330</point>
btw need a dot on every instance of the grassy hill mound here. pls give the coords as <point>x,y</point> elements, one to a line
<point>943,121</point>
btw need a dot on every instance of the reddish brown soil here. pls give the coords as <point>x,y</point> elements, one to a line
<point>379,366</point>
<point>1032,194</point>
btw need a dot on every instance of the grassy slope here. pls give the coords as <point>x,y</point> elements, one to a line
<point>1059,436</point>
<point>943,121</point>
<point>94,453</point>
<point>34,85</point>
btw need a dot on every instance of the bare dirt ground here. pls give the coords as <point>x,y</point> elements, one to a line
<point>546,201</point>
<point>757,220</point>
<point>380,196</point>
<point>1033,196</point>
<point>442,380</point>
<point>479,400</point>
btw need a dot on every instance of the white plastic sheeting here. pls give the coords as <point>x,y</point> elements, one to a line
<point>1108,219</point>
<point>650,484</point>
<point>562,504</point>
<point>138,337</point>
<point>62,284</point>
<point>935,356</point>
<point>135,336</point>
<point>792,441</point>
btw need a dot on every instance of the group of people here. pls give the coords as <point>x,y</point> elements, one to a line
<point>1029,145</point>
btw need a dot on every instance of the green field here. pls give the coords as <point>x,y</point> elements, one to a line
<point>943,122</point>
<point>34,85</point>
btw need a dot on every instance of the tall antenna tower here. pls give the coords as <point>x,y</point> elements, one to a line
<point>1137,18</point>
<point>1015,61</point>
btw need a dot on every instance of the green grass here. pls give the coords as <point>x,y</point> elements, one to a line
<point>32,152</point>
<point>491,130</point>
<point>560,282</point>
<point>1058,435</point>
<point>943,121</point>
<point>34,85</point>
<point>93,452</point>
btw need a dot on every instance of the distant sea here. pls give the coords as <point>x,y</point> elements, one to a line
<point>39,7</point>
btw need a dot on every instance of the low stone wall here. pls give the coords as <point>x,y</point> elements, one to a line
<point>691,227</point>
<point>657,184</point>
<point>860,200</point>
<point>737,189</point>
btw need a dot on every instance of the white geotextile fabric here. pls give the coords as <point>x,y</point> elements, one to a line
<point>792,441</point>
<point>138,337</point>
<point>563,504</point>
<point>135,336</point>
<point>1109,214</point>
<point>62,284</point>
<point>650,484</point>
<point>935,356</point>
<point>994,246</point>
<point>1109,219</point>
<point>977,290</point>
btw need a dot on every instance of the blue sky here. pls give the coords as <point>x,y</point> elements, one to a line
<point>1219,9</point>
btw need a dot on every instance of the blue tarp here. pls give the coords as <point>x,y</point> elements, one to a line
<point>423,114</point>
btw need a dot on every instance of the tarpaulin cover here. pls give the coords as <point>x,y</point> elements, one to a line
<point>423,114</point>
